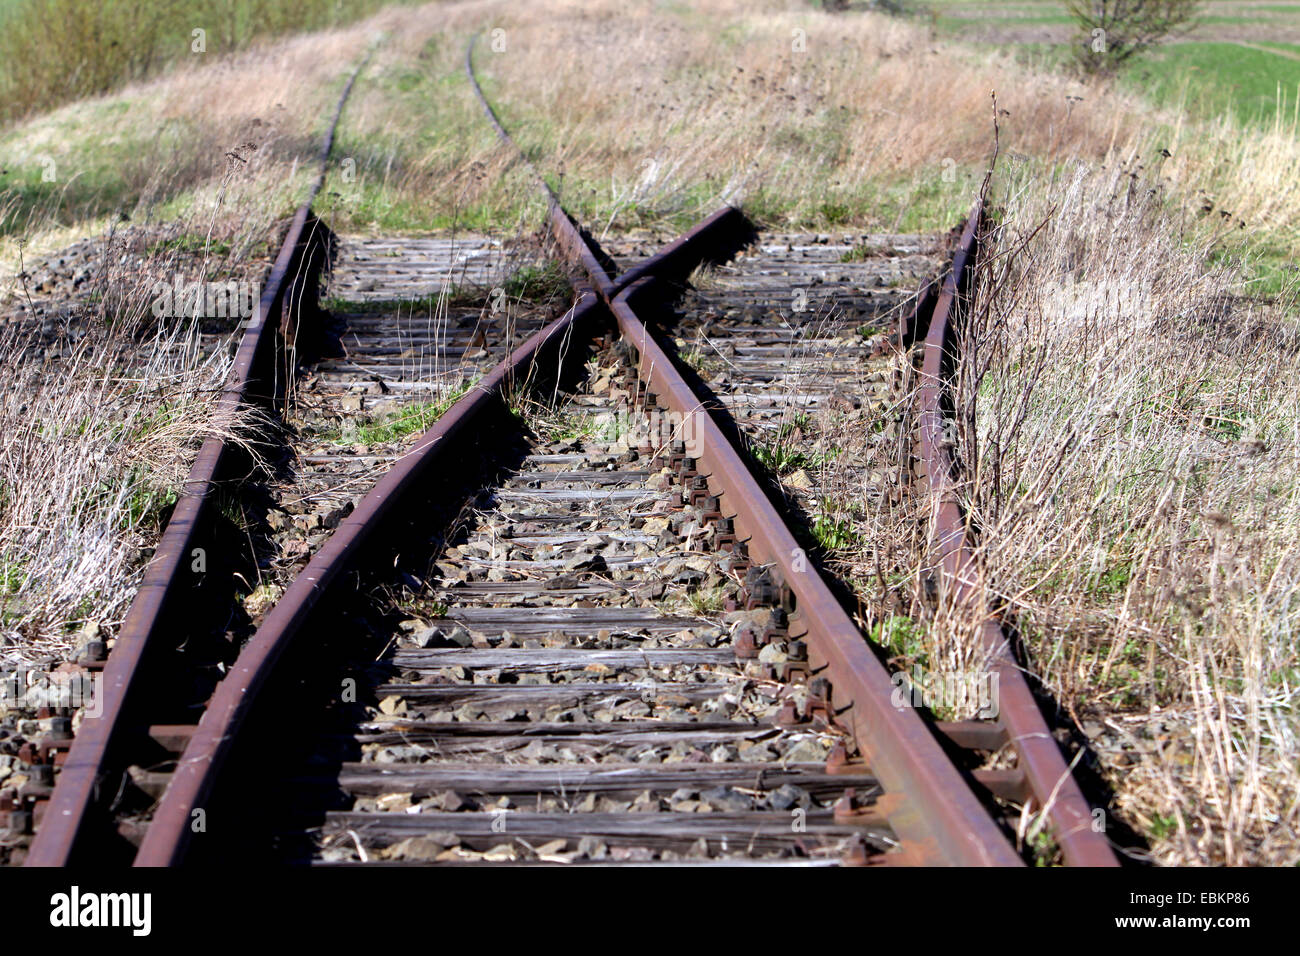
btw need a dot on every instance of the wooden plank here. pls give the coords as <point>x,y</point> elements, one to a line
<point>752,831</point>
<point>628,729</point>
<point>530,660</point>
<point>549,695</point>
<point>611,496</point>
<point>576,617</point>
<point>425,779</point>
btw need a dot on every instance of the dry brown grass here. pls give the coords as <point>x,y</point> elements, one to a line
<point>101,414</point>
<point>641,115</point>
<point>1132,471</point>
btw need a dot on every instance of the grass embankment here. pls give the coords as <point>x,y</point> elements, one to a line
<point>104,412</point>
<point>56,51</point>
<point>1209,79</point>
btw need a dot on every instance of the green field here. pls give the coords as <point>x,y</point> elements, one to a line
<point>1219,66</point>
<point>1214,77</point>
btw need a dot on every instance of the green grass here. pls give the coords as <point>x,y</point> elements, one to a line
<point>105,166</point>
<point>1211,78</point>
<point>833,533</point>
<point>780,458</point>
<point>916,203</point>
<point>901,636</point>
<point>398,425</point>
<point>191,245</point>
<point>706,601</point>
<point>1272,272</point>
<point>13,575</point>
<point>1114,580</point>
<point>571,427</point>
<point>539,283</point>
<point>427,304</point>
<point>1208,75</point>
<point>143,507</point>
<point>862,252</point>
<point>146,506</point>
<point>1163,827</point>
<point>703,362</point>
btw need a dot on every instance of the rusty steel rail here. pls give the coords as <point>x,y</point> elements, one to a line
<point>938,815</point>
<point>934,808</point>
<point>255,377</point>
<point>168,838</point>
<point>1046,774</point>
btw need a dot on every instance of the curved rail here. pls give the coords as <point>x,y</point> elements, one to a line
<point>1048,777</point>
<point>934,808</point>
<point>168,837</point>
<point>939,815</point>
<point>1045,771</point>
<point>253,377</point>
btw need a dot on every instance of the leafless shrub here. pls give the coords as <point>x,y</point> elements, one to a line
<point>1112,31</point>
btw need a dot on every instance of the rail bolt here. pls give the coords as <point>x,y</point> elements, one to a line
<point>819,697</point>
<point>789,714</point>
<point>699,487</point>
<point>761,594</point>
<point>60,729</point>
<point>786,599</point>
<point>745,644</point>
<point>92,652</point>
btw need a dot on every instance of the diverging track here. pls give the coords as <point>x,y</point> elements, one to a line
<point>570,650</point>
<point>568,624</point>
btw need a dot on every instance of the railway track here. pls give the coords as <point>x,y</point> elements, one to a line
<point>570,622</point>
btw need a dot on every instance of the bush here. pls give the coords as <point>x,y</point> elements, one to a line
<point>1114,30</point>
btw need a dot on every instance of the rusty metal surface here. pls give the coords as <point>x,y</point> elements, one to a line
<point>939,816</point>
<point>218,732</point>
<point>1040,758</point>
<point>87,761</point>
<point>166,840</point>
<point>942,819</point>
<point>253,375</point>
